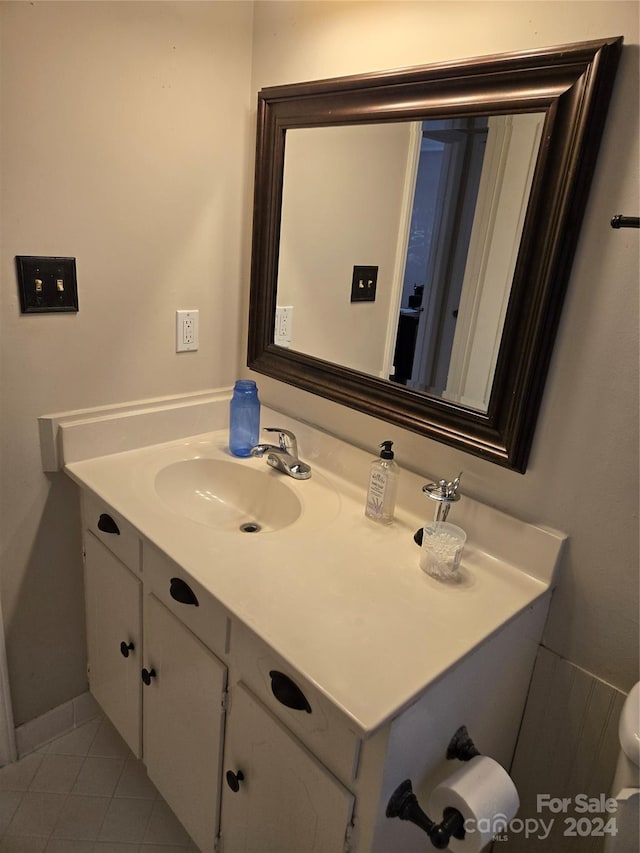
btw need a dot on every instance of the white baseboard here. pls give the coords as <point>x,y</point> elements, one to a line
<point>58,721</point>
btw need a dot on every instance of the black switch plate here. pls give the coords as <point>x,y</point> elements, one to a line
<point>47,284</point>
<point>363,284</point>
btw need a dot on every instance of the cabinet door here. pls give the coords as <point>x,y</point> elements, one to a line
<point>287,801</point>
<point>113,600</point>
<point>183,721</point>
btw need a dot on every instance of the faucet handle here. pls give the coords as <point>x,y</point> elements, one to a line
<point>286,439</point>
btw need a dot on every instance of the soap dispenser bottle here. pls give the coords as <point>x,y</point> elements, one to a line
<point>383,484</point>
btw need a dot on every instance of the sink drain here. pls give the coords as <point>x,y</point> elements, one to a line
<point>250,527</point>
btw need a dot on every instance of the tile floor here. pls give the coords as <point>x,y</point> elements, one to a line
<point>85,793</point>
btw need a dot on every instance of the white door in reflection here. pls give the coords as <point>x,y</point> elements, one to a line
<point>472,179</point>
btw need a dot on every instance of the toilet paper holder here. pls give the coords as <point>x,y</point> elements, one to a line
<point>404,804</point>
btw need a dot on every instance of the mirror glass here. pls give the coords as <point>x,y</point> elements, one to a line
<point>436,207</point>
<point>414,232</point>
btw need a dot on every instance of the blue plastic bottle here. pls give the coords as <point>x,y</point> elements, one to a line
<point>244,418</point>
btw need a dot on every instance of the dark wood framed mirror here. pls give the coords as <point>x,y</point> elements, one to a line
<point>567,89</point>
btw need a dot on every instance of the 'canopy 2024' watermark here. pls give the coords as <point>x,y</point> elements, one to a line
<point>582,816</point>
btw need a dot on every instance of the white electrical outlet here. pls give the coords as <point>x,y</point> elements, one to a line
<point>284,325</point>
<point>187,331</point>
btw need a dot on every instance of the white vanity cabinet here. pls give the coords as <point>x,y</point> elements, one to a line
<point>390,662</point>
<point>249,752</point>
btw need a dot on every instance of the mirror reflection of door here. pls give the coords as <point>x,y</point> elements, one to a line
<point>471,177</point>
<point>446,190</point>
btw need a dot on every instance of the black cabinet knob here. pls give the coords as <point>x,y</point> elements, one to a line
<point>147,675</point>
<point>182,592</point>
<point>234,779</point>
<point>287,692</point>
<point>108,525</point>
<point>125,648</point>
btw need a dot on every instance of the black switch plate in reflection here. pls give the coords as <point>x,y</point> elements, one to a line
<point>47,284</point>
<point>363,284</point>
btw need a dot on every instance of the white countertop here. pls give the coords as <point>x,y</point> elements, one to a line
<point>343,601</point>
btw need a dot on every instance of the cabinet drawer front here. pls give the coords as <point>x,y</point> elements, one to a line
<point>111,529</point>
<point>179,593</point>
<point>297,703</point>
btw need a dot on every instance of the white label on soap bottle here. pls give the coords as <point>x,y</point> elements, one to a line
<point>375,498</point>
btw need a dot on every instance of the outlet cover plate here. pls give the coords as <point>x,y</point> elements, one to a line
<point>187,332</point>
<point>47,284</point>
<point>284,323</point>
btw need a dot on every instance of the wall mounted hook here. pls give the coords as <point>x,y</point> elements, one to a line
<point>620,221</point>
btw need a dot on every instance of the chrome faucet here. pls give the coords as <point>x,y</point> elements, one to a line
<point>283,456</point>
<point>445,493</point>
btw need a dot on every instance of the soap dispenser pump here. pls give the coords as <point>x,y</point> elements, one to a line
<point>383,484</point>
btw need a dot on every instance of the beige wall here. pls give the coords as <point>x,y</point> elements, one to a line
<point>125,129</point>
<point>583,473</point>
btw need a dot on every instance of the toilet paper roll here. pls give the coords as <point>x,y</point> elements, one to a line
<point>484,793</point>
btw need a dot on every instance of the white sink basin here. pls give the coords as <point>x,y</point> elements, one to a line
<point>228,496</point>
